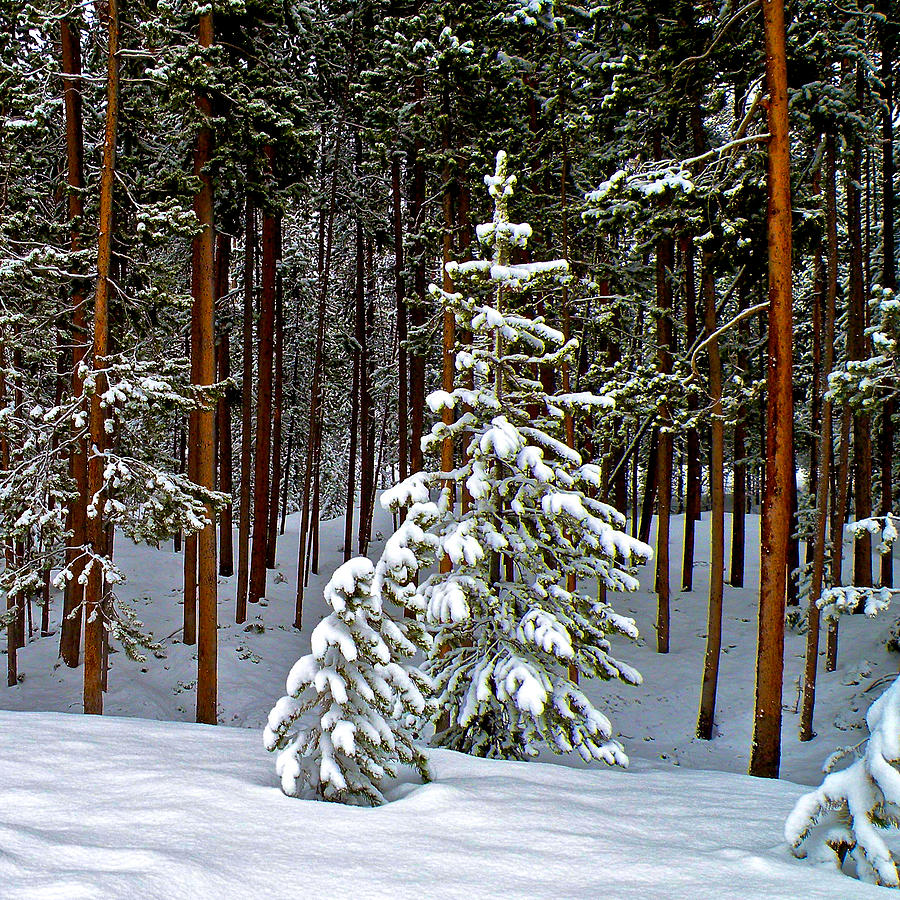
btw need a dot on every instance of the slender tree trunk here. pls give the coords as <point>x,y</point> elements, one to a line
<point>73,612</point>
<point>824,456</point>
<point>692,506</point>
<point>664,264</point>
<point>223,411</point>
<point>351,469</point>
<point>241,588</point>
<point>277,418</point>
<point>765,754</point>
<point>448,358</point>
<point>418,315</point>
<point>289,450</point>
<point>650,483</point>
<point>365,408</point>
<point>266,331</point>
<point>739,512</point>
<point>181,457</point>
<point>793,556</point>
<point>316,391</point>
<point>856,350</point>
<point>12,639</point>
<point>204,349</point>
<point>838,519</point>
<point>706,719</point>
<point>400,294</point>
<point>95,587</point>
<point>889,269</point>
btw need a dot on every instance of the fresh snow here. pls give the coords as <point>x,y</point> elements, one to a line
<point>139,809</point>
<point>165,798</point>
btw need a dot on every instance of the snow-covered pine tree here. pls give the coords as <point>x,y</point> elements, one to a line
<point>513,635</point>
<point>365,697</point>
<point>847,812</point>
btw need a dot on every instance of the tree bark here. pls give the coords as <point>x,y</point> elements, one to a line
<point>223,415</point>
<point>277,419</point>
<point>664,264</point>
<point>650,483</point>
<point>739,511</point>
<point>707,715</point>
<point>889,269</point>
<point>418,314</point>
<point>266,331</point>
<point>692,505</point>
<point>315,392</point>
<point>12,641</point>
<point>402,336</point>
<point>73,612</point>
<point>765,754</point>
<point>823,478</point>
<point>204,350</point>
<point>95,587</point>
<point>242,586</point>
<point>856,350</point>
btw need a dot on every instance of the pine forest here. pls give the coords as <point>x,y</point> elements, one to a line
<point>484,414</point>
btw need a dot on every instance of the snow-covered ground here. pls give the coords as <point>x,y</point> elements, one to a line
<point>114,807</point>
<point>139,809</point>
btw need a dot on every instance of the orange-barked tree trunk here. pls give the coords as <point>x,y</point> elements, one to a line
<point>73,612</point>
<point>765,755</point>
<point>95,588</point>
<point>203,353</point>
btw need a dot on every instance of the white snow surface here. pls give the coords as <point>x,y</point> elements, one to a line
<point>140,809</point>
<point>122,807</point>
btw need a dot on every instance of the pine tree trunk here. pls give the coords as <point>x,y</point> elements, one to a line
<point>400,295</point>
<point>856,350</point>
<point>12,639</point>
<point>365,471</point>
<point>793,555</point>
<point>448,358</point>
<point>95,588</point>
<point>241,589</point>
<point>692,506</point>
<point>351,468</point>
<point>765,754</point>
<point>181,457</point>
<point>823,478</point>
<point>265,341</point>
<point>664,265</point>
<point>739,512</point>
<point>706,719</point>
<point>889,269</point>
<point>204,350</point>
<point>418,314</point>
<point>73,613</point>
<point>650,483</point>
<point>315,391</point>
<point>189,631</point>
<point>223,415</point>
<point>277,418</point>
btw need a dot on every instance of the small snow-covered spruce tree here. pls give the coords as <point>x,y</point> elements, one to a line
<point>851,808</point>
<point>512,634</point>
<point>354,704</point>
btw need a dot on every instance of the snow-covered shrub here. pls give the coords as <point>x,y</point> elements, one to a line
<point>364,698</point>
<point>852,807</point>
<point>513,632</point>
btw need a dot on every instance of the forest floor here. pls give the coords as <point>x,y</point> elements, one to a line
<point>92,808</point>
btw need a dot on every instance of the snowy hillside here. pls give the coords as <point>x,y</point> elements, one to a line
<point>187,811</point>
